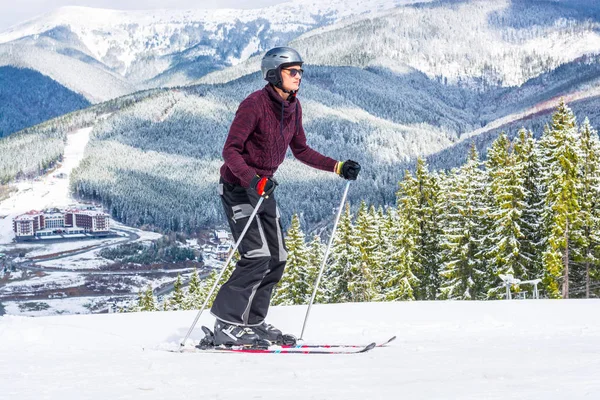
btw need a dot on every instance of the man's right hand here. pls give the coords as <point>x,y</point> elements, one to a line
<point>263,185</point>
<point>349,170</point>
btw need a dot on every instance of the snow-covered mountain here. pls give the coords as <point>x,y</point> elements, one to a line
<point>527,349</point>
<point>21,106</point>
<point>104,54</point>
<point>152,48</point>
<point>483,44</point>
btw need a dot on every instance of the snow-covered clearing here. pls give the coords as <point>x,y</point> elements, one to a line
<point>52,280</point>
<point>85,261</point>
<point>533,349</point>
<point>144,235</point>
<point>62,247</point>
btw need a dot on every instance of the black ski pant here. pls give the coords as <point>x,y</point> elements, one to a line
<point>244,299</point>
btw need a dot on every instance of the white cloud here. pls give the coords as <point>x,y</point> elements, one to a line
<point>14,12</point>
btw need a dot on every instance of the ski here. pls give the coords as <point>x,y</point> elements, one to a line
<point>336,346</point>
<point>288,350</point>
<point>289,346</point>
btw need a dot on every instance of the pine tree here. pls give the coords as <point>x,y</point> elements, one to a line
<point>316,252</point>
<point>590,202</point>
<point>561,215</point>
<point>428,243</point>
<point>344,255</point>
<point>193,299</point>
<point>507,205</point>
<point>295,285</point>
<point>527,159</point>
<point>361,281</point>
<point>381,242</point>
<point>146,300</point>
<point>463,272</point>
<point>384,277</point>
<point>408,230</point>
<point>384,246</point>
<point>398,281</point>
<point>175,301</point>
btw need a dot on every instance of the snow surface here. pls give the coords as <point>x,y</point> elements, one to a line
<point>94,83</point>
<point>144,235</point>
<point>532,349</point>
<point>51,280</point>
<point>89,260</point>
<point>54,248</point>
<point>64,306</point>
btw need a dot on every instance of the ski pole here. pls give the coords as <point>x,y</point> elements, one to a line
<point>222,271</point>
<point>337,219</point>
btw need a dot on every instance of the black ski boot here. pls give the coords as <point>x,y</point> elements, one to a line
<point>237,335</point>
<point>274,335</point>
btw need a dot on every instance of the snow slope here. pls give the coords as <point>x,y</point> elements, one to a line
<point>95,84</point>
<point>535,349</point>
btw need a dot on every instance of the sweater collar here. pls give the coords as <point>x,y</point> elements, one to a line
<point>289,107</point>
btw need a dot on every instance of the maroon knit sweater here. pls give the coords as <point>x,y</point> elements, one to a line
<point>263,128</point>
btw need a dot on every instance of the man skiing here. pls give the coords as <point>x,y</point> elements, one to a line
<point>265,124</point>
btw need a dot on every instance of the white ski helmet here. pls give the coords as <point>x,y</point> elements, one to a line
<point>276,59</point>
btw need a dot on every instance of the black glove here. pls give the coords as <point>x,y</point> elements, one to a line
<point>263,185</point>
<point>349,170</point>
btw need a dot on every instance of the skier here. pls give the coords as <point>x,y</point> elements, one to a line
<point>265,124</point>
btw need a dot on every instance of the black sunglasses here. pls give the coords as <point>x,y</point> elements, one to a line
<point>294,71</point>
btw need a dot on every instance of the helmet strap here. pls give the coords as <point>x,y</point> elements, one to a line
<point>291,93</point>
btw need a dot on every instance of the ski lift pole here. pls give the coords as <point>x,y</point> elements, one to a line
<point>222,272</point>
<point>337,219</point>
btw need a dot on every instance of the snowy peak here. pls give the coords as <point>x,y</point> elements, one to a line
<point>168,31</point>
<point>144,49</point>
<point>175,47</point>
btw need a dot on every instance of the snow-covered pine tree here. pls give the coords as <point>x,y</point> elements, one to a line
<point>361,282</point>
<point>561,215</point>
<point>316,252</point>
<point>344,254</point>
<point>381,242</point>
<point>506,211</point>
<point>175,301</point>
<point>193,299</point>
<point>409,224</point>
<point>146,300</point>
<point>295,285</point>
<point>463,271</point>
<point>205,287</point>
<point>385,275</point>
<point>398,281</point>
<point>428,243</point>
<point>590,203</point>
<point>137,305</point>
<point>526,152</point>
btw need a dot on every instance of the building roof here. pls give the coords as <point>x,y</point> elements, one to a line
<point>222,234</point>
<point>25,217</point>
<point>54,215</point>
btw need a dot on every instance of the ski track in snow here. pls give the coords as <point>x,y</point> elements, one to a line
<point>528,349</point>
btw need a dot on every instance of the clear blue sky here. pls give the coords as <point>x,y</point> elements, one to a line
<point>13,12</point>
